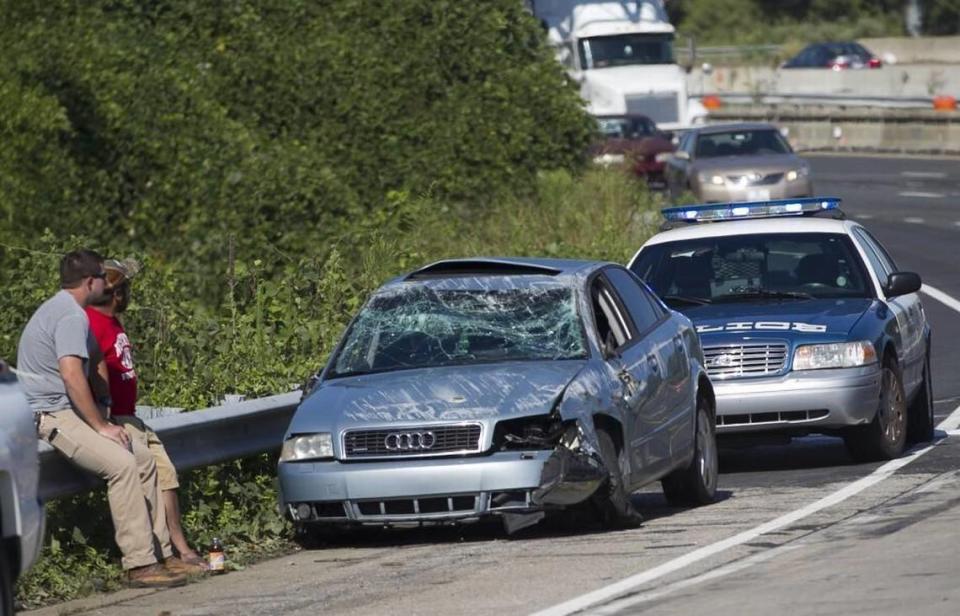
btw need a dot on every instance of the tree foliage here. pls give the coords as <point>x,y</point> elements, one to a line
<point>728,22</point>
<point>170,127</point>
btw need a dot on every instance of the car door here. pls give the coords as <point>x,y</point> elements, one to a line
<point>635,384</point>
<point>676,167</point>
<point>907,310</point>
<point>655,421</point>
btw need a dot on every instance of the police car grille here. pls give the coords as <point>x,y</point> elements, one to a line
<point>733,361</point>
<point>365,444</point>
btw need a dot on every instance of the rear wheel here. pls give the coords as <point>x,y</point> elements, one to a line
<point>884,437</point>
<point>697,483</point>
<point>920,414</point>
<point>612,500</point>
<point>6,582</point>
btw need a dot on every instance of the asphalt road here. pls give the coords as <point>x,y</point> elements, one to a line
<point>798,527</point>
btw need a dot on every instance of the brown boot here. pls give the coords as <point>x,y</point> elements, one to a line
<point>154,576</point>
<point>179,566</point>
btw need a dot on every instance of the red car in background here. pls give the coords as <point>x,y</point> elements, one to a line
<point>636,142</point>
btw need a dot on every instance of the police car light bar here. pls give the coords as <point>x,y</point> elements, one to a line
<point>715,212</point>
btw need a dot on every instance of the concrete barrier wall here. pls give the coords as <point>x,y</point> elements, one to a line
<point>867,130</point>
<point>920,50</point>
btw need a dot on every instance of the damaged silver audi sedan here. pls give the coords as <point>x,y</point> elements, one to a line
<point>492,387</point>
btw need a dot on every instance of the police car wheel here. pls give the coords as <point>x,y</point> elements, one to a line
<point>6,581</point>
<point>883,438</point>
<point>611,500</point>
<point>697,483</point>
<point>920,414</point>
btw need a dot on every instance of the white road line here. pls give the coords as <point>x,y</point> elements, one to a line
<point>924,174</point>
<point>914,220</point>
<point>916,194</point>
<point>618,606</point>
<point>634,581</point>
<point>941,297</point>
<point>869,216</point>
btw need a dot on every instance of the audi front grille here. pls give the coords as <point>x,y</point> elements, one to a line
<point>744,360</point>
<point>412,442</point>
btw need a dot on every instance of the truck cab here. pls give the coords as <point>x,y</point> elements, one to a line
<point>621,54</point>
<point>21,513</point>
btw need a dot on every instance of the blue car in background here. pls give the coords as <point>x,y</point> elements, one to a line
<point>807,324</point>
<point>491,387</point>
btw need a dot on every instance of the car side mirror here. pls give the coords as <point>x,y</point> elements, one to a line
<point>308,386</point>
<point>681,155</point>
<point>902,283</point>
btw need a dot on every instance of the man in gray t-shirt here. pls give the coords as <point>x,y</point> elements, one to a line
<point>53,364</point>
<point>58,329</point>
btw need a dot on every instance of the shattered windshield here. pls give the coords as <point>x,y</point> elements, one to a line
<point>418,327</point>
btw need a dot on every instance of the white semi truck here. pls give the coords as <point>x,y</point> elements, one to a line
<point>621,54</point>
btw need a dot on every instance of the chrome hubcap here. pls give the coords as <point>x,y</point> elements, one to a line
<point>892,416</point>
<point>706,448</point>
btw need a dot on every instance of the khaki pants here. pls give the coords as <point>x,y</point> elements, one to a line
<point>166,471</point>
<point>138,515</point>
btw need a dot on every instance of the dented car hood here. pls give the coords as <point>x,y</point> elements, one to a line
<point>486,392</point>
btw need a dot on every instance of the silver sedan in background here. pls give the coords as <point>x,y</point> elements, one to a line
<point>737,162</point>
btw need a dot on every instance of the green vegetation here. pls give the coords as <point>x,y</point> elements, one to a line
<point>271,162</point>
<point>797,22</point>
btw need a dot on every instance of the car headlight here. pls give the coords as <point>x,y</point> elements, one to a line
<point>708,178</point>
<point>307,447</point>
<point>835,355</point>
<point>609,159</point>
<point>795,174</point>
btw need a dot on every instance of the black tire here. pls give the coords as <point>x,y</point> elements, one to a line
<point>6,582</point>
<point>885,437</point>
<point>920,422</point>
<point>697,483</point>
<point>611,500</point>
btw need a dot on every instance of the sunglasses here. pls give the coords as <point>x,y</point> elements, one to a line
<point>102,275</point>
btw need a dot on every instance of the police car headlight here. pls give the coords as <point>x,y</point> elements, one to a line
<point>307,447</point>
<point>708,178</point>
<point>837,355</point>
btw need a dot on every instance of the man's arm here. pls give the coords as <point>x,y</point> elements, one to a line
<point>100,381</point>
<point>75,380</point>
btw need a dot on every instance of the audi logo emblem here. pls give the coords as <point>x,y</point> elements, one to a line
<point>409,441</point>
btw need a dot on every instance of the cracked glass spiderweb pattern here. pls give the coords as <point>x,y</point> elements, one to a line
<point>419,327</point>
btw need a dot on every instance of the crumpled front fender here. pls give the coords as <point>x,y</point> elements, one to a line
<point>573,472</point>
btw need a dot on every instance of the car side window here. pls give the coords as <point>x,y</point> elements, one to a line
<point>881,251</point>
<point>613,326</point>
<point>882,269</point>
<point>644,313</point>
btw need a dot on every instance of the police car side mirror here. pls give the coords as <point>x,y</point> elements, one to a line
<point>902,283</point>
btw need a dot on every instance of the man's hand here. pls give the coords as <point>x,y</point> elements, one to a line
<point>115,433</point>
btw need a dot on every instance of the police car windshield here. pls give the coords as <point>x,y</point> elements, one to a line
<point>751,268</point>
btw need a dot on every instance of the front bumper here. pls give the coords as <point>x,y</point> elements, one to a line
<point>809,400</point>
<point>436,490</point>
<point>729,193</point>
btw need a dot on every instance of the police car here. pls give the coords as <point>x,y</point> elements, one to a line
<point>807,324</point>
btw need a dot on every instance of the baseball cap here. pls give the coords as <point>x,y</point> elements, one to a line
<point>119,272</point>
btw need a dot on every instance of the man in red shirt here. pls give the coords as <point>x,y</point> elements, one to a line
<point>117,371</point>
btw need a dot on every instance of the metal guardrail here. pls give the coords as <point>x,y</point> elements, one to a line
<point>192,439</point>
<point>830,100</point>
